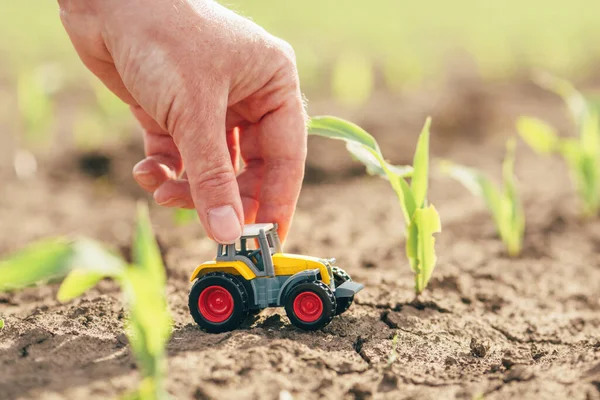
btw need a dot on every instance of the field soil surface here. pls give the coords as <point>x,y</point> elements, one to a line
<point>488,325</point>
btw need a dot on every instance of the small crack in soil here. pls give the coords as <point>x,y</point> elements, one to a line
<point>358,348</point>
<point>417,304</point>
<point>412,381</point>
<point>25,349</point>
<point>510,337</point>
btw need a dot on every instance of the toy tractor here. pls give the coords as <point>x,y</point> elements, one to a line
<point>254,274</point>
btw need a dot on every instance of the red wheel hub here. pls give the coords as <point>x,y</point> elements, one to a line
<point>308,306</point>
<point>215,304</point>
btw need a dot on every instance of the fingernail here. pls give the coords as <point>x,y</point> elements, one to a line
<point>224,224</point>
<point>145,178</point>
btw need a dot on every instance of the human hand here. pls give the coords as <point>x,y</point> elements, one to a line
<point>207,87</point>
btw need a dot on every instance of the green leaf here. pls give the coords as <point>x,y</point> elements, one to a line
<point>426,222</point>
<point>505,207</point>
<point>146,253</point>
<point>540,136</point>
<point>421,167</point>
<point>590,134</point>
<point>512,217</point>
<point>77,283</point>
<point>149,324</point>
<point>91,262</point>
<point>373,163</point>
<point>339,129</point>
<point>359,143</point>
<point>37,263</point>
<point>478,184</point>
<point>575,101</point>
<point>366,150</point>
<point>406,197</point>
<point>1,323</point>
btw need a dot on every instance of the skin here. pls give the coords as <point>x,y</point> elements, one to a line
<point>208,87</point>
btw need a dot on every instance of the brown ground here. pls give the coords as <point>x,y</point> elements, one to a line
<point>488,325</point>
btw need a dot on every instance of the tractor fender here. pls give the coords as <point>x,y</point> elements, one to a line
<point>237,268</point>
<point>309,275</point>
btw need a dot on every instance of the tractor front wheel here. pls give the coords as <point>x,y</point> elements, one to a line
<point>310,305</point>
<point>343,303</point>
<point>218,302</point>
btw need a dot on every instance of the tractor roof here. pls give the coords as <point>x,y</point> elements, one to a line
<point>254,229</point>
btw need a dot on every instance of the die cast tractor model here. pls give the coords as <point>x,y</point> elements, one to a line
<point>254,274</point>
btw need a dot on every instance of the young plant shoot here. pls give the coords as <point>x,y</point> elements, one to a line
<point>582,153</point>
<point>422,220</point>
<point>143,285</point>
<point>504,203</point>
<point>87,262</point>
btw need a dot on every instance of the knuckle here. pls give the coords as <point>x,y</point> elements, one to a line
<point>215,177</point>
<point>283,55</point>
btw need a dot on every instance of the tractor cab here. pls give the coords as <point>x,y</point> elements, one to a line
<point>255,248</point>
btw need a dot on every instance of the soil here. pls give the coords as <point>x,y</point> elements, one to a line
<point>488,326</point>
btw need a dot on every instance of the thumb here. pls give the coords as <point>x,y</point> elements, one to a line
<point>201,140</point>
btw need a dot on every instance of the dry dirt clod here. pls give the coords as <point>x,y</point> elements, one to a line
<point>388,383</point>
<point>122,340</point>
<point>450,361</point>
<point>519,373</point>
<point>360,392</point>
<point>478,349</point>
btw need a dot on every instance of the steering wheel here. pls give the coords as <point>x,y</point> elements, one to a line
<point>255,256</point>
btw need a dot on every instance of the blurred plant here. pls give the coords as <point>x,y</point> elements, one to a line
<point>86,262</point>
<point>582,154</point>
<point>504,205</point>
<point>1,323</point>
<point>184,216</point>
<point>143,284</point>
<point>35,105</point>
<point>109,117</point>
<point>422,220</point>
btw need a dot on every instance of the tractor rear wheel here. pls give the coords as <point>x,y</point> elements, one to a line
<point>218,302</point>
<point>343,303</point>
<point>310,305</point>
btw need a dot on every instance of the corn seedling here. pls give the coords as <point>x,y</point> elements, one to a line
<point>581,154</point>
<point>143,285</point>
<point>503,203</point>
<point>422,220</point>
<point>86,262</point>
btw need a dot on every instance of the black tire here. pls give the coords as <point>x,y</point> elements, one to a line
<point>238,296</point>
<point>343,303</point>
<point>310,289</point>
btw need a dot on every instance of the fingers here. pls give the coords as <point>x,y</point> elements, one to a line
<point>174,193</point>
<point>201,139</point>
<point>250,178</point>
<point>282,138</point>
<point>274,151</point>
<point>163,161</point>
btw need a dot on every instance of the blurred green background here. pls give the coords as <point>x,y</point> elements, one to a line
<point>345,50</point>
